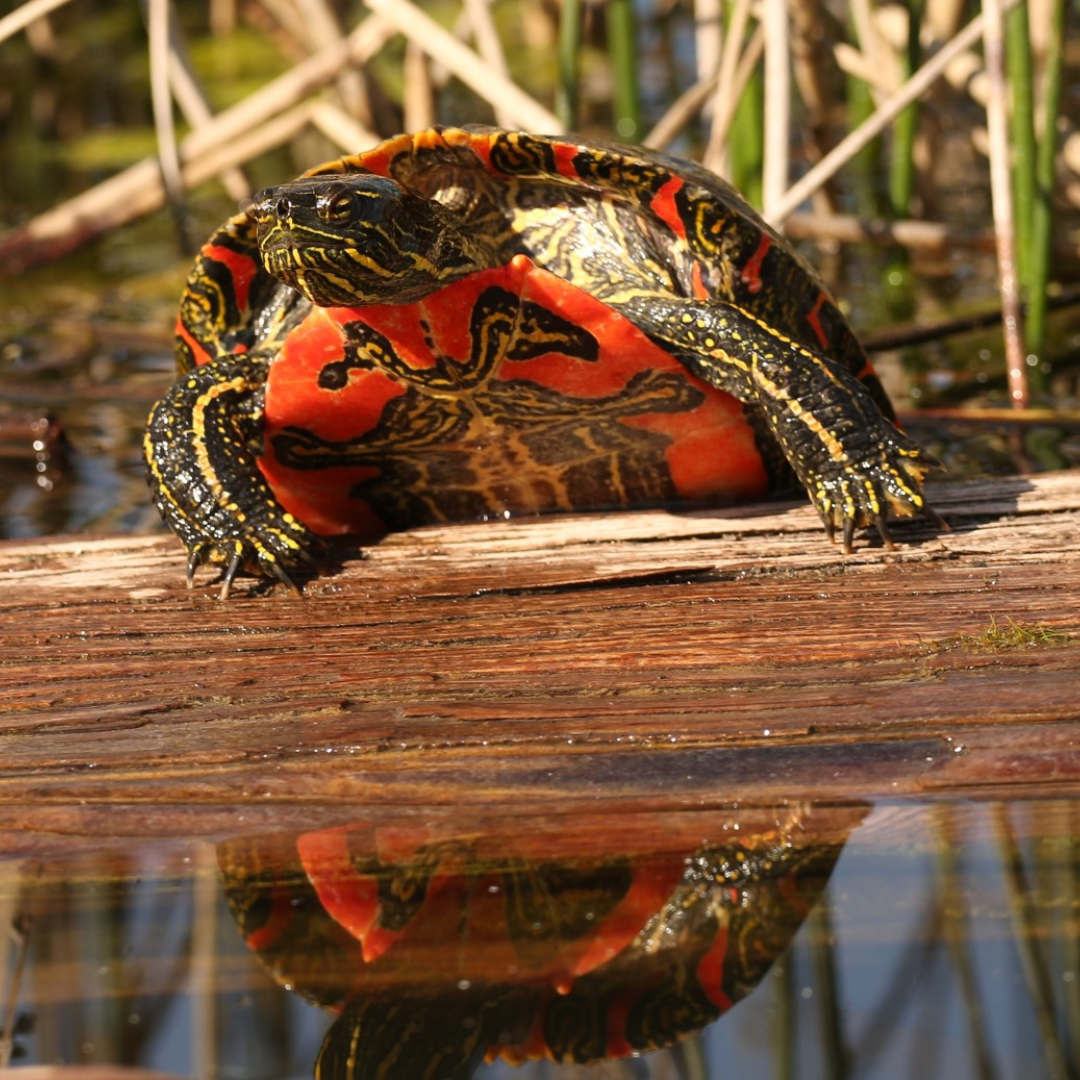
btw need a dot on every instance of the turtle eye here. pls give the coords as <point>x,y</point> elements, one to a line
<point>341,206</point>
<point>369,201</point>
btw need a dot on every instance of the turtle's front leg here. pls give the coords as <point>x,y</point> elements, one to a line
<point>200,449</point>
<point>855,464</point>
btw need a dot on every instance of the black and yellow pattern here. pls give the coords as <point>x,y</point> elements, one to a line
<point>459,443</point>
<point>201,447</point>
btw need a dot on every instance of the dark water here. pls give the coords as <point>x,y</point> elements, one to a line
<point>847,941</point>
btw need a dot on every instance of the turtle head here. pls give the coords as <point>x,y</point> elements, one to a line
<point>356,238</point>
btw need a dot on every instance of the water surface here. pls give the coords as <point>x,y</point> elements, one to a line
<point>932,941</point>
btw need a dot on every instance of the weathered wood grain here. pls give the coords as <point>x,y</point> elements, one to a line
<point>640,661</point>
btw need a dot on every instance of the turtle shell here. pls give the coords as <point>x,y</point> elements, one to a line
<point>467,324</point>
<point>508,392</point>
<point>612,219</point>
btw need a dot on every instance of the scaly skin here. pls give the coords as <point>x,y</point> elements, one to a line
<point>199,448</point>
<point>856,465</point>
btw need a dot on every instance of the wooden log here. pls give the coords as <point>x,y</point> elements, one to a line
<point>636,662</point>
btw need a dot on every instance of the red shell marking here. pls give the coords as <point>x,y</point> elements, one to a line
<point>342,865</point>
<point>241,270</point>
<point>751,272</point>
<point>707,451</point>
<point>666,209</point>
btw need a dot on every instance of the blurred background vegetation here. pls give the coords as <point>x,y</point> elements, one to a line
<point>925,156</point>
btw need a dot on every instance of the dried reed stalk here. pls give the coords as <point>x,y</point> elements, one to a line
<point>726,97</point>
<point>222,17</point>
<point>295,38</point>
<point>250,127</point>
<point>777,103</point>
<point>340,128</point>
<point>997,123</point>
<point>417,93</point>
<point>188,95</point>
<point>463,62</point>
<point>881,117</point>
<point>162,105</point>
<point>22,17</point>
<point>813,67</point>
<point>708,37</point>
<point>931,236</point>
<point>324,31</point>
<point>685,107</point>
<point>853,62</point>
<point>489,47</point>
<point>727,106</point>
<point>872,48</point>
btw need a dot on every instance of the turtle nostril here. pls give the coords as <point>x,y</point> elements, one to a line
<point>283,207</point>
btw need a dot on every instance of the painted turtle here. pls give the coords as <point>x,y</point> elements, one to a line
<point>439,952</point>
<point>461,324</point>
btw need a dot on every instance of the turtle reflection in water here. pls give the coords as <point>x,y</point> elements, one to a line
<point>441,951</point>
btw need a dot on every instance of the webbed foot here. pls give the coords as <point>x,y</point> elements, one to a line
<point>888,481</point>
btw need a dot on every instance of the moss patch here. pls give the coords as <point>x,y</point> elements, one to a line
<point>1004,637</point>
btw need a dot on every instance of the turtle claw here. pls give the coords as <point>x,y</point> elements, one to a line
<point>935,519</point>
<point>263,563</point>
<point>267,565</point>
<point>230,572</point>
<point>249,554</point>
<point>881,524</point>
<point>849,497</point>
<point>883,531</point>
<point>195,560</point>
<point>849,534</point>
<point>278,571</point>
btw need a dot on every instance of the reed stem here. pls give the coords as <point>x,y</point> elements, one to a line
<point>902,166</point>
<point>623,47</point>
<point>566,87</point>
<point>997,124</point>
<point>1022,128</point>
<point>1042,209</point>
